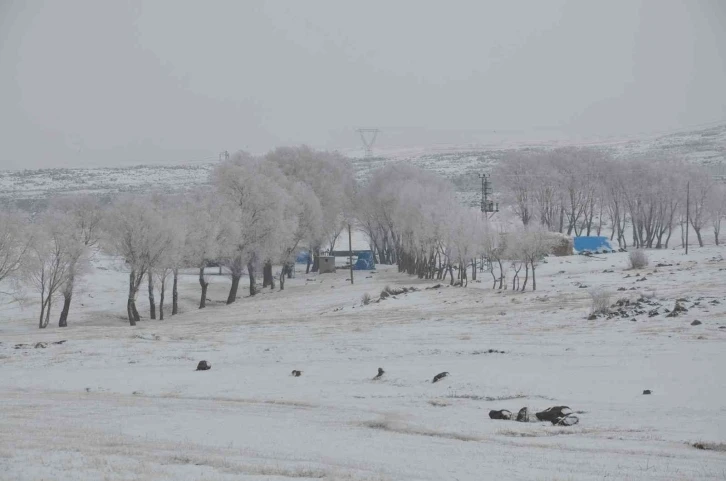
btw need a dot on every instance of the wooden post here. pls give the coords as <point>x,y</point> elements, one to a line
<point>688,210</point>
<point>350,252</point>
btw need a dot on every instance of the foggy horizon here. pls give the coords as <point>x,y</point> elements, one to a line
<point>86,83</point>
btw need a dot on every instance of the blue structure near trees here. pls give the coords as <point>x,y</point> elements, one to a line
<point>594,244</point>
<point>365,261</point>
<point>303,257</point>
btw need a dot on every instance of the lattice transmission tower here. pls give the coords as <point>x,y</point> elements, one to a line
<point>368,136</point>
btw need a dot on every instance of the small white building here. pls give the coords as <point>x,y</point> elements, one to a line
<point>327,264</point>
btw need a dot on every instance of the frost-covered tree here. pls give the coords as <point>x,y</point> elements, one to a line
<point>717,209</point>
<point>136,232</point>
<point>532,244</point>
<point>701,185</point>
<point>331,177</point>
<point>204,226</point>
<point>54,257</point>
<point>254,197</point>
<point>83,216</point>
<point>14,242</point>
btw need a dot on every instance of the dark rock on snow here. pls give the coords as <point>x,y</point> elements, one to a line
<point>296,373</point>
<point>696,323</point>
<point>501,414</point>
<point>553,413</point>
<point>381,372</point>
<point>440,376</point>
<point>203,366</point>
<point>647,391</point>
<point>523,415</point>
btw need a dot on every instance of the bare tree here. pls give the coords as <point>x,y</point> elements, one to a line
<point>701,185</point>
<point>717,209</point>
<point>14,243</point>
<point>54,256</point>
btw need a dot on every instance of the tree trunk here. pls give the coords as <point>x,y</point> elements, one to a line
<point>63,321</point>
<point>267,275</point>
<point>526,276</point>
<point>534,280</point>
<point>283,273</point>
<point>161,299</point>
<point>698,236</point>
<point>131,303</point>
<point>42,313</point>
<point>473,269</point>
<point>316,259</point>
<point>233,290</point>
<point>204,284</point>
<point>47,312</point>
<point>251,272</point>
<point>175,293</point>
<point>152,302</point>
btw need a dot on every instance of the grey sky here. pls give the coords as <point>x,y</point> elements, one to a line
<point>101,82</point>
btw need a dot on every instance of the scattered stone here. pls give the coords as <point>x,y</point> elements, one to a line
<point>440,376</point>
<point>437,286</point>
<point>59,342</point>
<point>653,313</point>
<point>696,323</point>
<point>592,317</point>
<point>677,310</point>
<point>523,415</point>
<point>621,289</point>
<point>384,294</point>
<point>553,413</point>
<point>722,327</point>
<point>647,391</point>
<point>381,372</point>
<point>296,373</point>
<point>633,320</point>
<point>41,345</point>
<point>608,271</point>
<point>569,420</point>
<point>501,414</point>
<point>642,279</point>
<point>663,265</point>
<point>203,366</point>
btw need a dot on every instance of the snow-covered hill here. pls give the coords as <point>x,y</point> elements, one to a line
<point>705,146</point>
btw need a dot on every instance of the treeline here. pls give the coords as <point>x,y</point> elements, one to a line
<point>262,211</point>
<point>637,201</point>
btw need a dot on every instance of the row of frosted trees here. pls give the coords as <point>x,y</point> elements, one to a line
<point>261,211</point>
<point>256,212</point>
<point>638,201</point>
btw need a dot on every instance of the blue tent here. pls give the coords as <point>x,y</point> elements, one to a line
<point>365,261</point>
<point>302,257</point>
<point>594,244</point>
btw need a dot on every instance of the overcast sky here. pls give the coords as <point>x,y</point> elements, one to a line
<point>107,82</point>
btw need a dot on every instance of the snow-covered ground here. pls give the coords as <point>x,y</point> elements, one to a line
<point>115,402</point>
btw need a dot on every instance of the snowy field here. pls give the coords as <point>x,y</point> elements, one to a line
<point>121,403</point>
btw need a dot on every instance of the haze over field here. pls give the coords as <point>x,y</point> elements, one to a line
<point>106,83</point>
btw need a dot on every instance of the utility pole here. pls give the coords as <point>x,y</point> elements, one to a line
<point>688,211</point>
<point>487,206</point>
<point>350,254</point>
